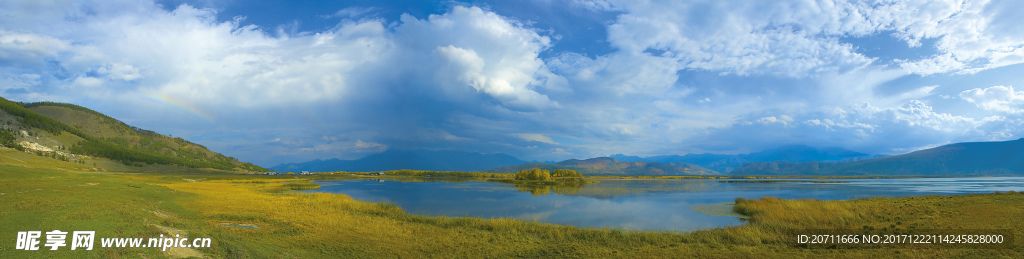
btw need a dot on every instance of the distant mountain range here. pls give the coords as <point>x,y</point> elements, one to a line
<point>612,166</point>
<point>445,160</point>
<point>691,164</point>
<point>67,132</point>
<point>973,158</point>
<point>726,163</point>
<point>980,158</point>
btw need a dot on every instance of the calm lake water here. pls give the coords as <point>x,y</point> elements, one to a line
<point>637,204</point>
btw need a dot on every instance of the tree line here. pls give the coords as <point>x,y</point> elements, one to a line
<point>537,174</point>
<point>7,139</point>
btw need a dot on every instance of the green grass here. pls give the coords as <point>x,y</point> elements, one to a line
<point>317,225</point>
<point>46,199</point>
<point>719,209</point>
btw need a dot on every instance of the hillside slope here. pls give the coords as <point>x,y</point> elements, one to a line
<point>66,132</point>
<point>612,166</point>
<point>726,163</point>
<point>972,158</point>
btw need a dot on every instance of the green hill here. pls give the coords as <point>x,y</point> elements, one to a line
<point>72,133</point>
<point>611,166</point>
<point>973,158</point>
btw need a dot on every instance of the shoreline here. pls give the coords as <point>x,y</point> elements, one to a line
<point>289,223</point>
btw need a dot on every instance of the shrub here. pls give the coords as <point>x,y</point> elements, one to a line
<point>535,174</point>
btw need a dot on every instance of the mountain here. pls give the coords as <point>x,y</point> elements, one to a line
<point>726,163</point>
<point>445,160</point>
<point>973,158</point>
<point>625,158</point>
<point>801,153</point>
<point>75,134</point>
<point>612,166</point>
<point>719,163</point>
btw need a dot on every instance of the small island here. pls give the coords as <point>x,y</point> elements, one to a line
<point>540,182</point>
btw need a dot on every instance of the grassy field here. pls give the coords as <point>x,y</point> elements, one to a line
<point>259,217</point>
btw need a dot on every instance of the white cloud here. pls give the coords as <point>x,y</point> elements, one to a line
<point>89,82</point>
<point>857,86</point>
<point>536,137</point>
<point>941,63</point>
<point>369,145</point>
<point>28,49</point>
<point>972,35</point>
<point>782,119</point>
<point>596,5</point>
<point>918,93</point>
<point>352,12</point>
<point>797,39</point>
<point>187,54</point>
<point>472,78</point>
<point>21,81</point>
<point>918,114</point>
<point>325,148</point>
<point>626,129</point>
<point>560,151</point>
<point>120,71</point>
<point>471,49</point>
<point>997,98</point>
<point>512,93</point>
<point>30,77</point>
<point>359,146</point>
<point>863,127</point>
<point>448,136</point>
<point>740,38</point>
<point>913,121</point>
<point>619,73</point>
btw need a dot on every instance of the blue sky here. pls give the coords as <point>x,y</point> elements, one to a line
<point>290,81</point>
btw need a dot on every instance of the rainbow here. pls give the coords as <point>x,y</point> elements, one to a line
<point>181,104</point>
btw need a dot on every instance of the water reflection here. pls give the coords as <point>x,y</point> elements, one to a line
<point>608,189</point>
<point>635,204</point>
<point>537,190</point>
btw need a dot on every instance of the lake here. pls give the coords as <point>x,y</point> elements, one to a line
<point>638,204</point>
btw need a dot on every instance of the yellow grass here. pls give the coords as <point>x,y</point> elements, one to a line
<point>318,225</point>
<point>330,224</point>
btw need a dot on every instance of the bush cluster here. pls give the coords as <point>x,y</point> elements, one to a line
<point>535,174</point>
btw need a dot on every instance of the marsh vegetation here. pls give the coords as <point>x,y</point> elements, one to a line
<point>283,223</point>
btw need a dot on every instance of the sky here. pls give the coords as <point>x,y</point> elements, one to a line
<point>272,82</point>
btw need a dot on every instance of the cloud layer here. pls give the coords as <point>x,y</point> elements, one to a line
<point>681,77</point>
